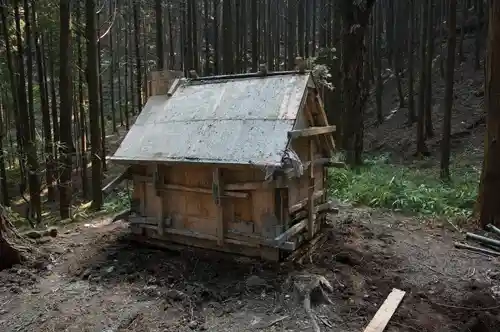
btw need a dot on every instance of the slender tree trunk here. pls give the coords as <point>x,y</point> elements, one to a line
<point>101,99</point>
<point>81,111</point>
<point>479,35</point>
<point>3,173</point>
<point>93,88</point>
<point>160,56</point>
<point>65,107</point>
<point>44,103</point>
<point>137,56</point>
<point>379,85</point>
<point>421,146</point>
<point>448,94</point>
<point>227,37</point>
<point>111,72</point>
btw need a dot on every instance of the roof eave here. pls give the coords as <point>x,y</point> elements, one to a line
<point>127,161</point>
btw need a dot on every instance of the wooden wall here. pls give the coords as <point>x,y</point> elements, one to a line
<point>195,209</point>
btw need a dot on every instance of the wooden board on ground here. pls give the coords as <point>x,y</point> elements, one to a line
<point>385,312</point>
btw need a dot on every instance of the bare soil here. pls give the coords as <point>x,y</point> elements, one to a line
<point>97,280</point>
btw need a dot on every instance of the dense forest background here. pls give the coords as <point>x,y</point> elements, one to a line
<point>402,80</point>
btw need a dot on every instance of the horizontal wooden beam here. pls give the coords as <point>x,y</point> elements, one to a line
<point>246,241</point>
<point>322,208</point>
<point>202,190</point>
<point>254,185</point>
<point>300,205</point>
<point>291,232</point>
<point>312,131</point>
<point>165,187</point>
<point>326,162</point>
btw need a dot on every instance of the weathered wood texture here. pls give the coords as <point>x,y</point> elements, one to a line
<point>233,208</point>
<point>159,82</point>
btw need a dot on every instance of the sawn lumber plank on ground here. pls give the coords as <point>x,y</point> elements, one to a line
<point>385,312</point>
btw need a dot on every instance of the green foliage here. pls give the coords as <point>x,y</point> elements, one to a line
<point>323,65</point>
<point>406,189</point>
<point>117,201</point>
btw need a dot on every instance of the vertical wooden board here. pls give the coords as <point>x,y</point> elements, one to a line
<point>218,188</point>
<point>263,212</point>
<point>197,204</point>
<point>197,176</point>
<point>143,199</point>
<point>300,147</point>
<point>190,176</point>
<point>136,199</point>
<point>310,204</point>
<point>174,207</point>
<point>138,169</point>
<point>200,225</point>
<point>236,175</point>
<point>293,194</point>
<point>238,215</point>
<point>153,206</point>
<point>242,207</point>
<point>318,176</point>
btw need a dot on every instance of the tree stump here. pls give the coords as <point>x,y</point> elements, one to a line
<point>311,290</point>
<point>14,249</point>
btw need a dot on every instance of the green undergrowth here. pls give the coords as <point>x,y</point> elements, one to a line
<point>117,201</point>
<point>407,189</point>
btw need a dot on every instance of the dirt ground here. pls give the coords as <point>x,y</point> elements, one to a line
<point>97,280</point>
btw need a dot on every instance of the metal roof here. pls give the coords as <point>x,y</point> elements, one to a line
<point>232,121</point>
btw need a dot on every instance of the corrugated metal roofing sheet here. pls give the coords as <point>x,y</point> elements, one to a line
<point>237,121</point>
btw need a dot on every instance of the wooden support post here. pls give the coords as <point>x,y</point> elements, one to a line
<point>158,181</point>
<point>310,119</point>
<point>217,187</point>
<point>310,205</point>
<point>324,121</point>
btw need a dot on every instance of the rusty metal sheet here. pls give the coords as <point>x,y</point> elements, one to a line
<point>237,121</point>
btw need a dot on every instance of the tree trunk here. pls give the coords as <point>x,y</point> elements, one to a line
<point>93,87</point>
<point>81,109</point>
<point>488,200</point>
<point>47,131</point>
<point>421,146</point>
<point>137,57</point>
<point>379,84</point>
<point>13,247</point>
<point>354,86</point>
<point>411,103</point>
<point>448,94</point>
<point>429,130</point>
<point>160,54</point>
<point>65,109</point>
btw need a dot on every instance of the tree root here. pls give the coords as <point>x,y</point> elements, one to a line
<point>14,248</point>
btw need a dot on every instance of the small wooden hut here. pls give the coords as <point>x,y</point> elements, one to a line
<point>233,163</point>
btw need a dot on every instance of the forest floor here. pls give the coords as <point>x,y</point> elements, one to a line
<point>96,280</point>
